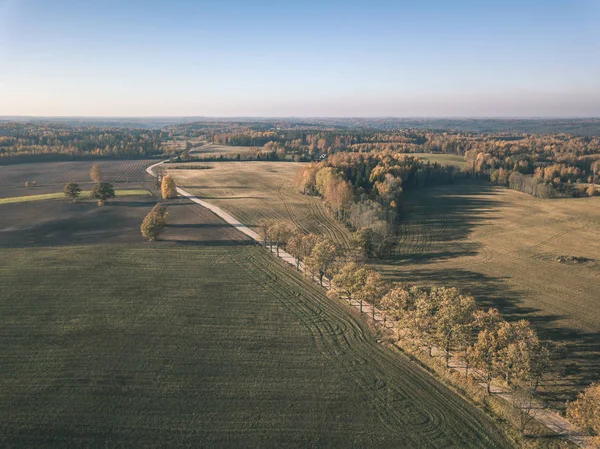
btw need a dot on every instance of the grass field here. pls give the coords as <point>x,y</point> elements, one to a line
<point>60,195</point>
<point>505,247</point>
<point>198,340</point>
<point>252,191</point>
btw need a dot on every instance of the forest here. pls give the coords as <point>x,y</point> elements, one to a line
<point>24,142</point>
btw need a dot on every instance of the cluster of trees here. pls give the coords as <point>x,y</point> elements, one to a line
<point>365,190</point>
<point>102,191</point>
<point>544,166</point>
<point>21,142</point>
<point>444,318</point>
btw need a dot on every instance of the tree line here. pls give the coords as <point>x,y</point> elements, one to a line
<point>22,142</point>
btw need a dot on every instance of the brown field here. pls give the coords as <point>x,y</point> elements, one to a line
<point>252,191</point>
<point>504,247</point>
<point>51,176</point>
<point>212,149</point>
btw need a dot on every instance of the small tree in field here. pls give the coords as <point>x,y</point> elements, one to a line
<point>102,192</point>
<point>95,173</point>
<point>155,222</point>
<point>168,188</point>
<point>591,190</point>
<point>72,190</point>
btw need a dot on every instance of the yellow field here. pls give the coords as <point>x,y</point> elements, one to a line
<point>252,191</point>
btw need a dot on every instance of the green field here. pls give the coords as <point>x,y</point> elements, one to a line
<point>61,195</point>
<point>162,345</point>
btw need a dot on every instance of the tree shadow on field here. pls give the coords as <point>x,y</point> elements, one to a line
<point>436,222</point>
<point>436,227</point>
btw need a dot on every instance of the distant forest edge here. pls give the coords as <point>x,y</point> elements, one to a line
<point>576,126</point>
<point>542,164</point>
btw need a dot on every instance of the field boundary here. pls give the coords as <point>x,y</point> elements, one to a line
<point>552,420</point>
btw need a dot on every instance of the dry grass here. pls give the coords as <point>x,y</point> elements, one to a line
<point>504,247</point>
<point>252,191</point>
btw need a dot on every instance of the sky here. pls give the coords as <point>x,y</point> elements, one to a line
<point>427,58</point>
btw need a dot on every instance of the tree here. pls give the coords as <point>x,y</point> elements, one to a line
<point>591,190</point>
<point>264,229</point>
<point>281,232</point>
<point>321,257</point>
<point>522,400</point>
<point>102,191</point>
<point>483,355</point>
<point>453,317</point>
<point>400,304</point>
<point>372,291</point>
<point>155,222</point>
<point>72,190</point>
<point>294,247</point>
<point>362,240</point>
<point>95,173</point>
<point>348,281</point>
<point>585,411</point>
<point>168,188</point>
<point>308,243</point>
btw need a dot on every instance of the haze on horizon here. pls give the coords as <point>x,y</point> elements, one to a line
<point>304,58</point>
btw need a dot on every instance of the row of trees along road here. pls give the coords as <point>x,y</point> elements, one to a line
<point>438,318</point>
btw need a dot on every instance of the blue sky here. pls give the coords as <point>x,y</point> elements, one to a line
<point>300,58</point>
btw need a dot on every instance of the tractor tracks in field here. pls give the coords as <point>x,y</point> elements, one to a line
<point>402,395</point>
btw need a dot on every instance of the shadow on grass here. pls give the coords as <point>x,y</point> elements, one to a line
<point>436,227</point>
